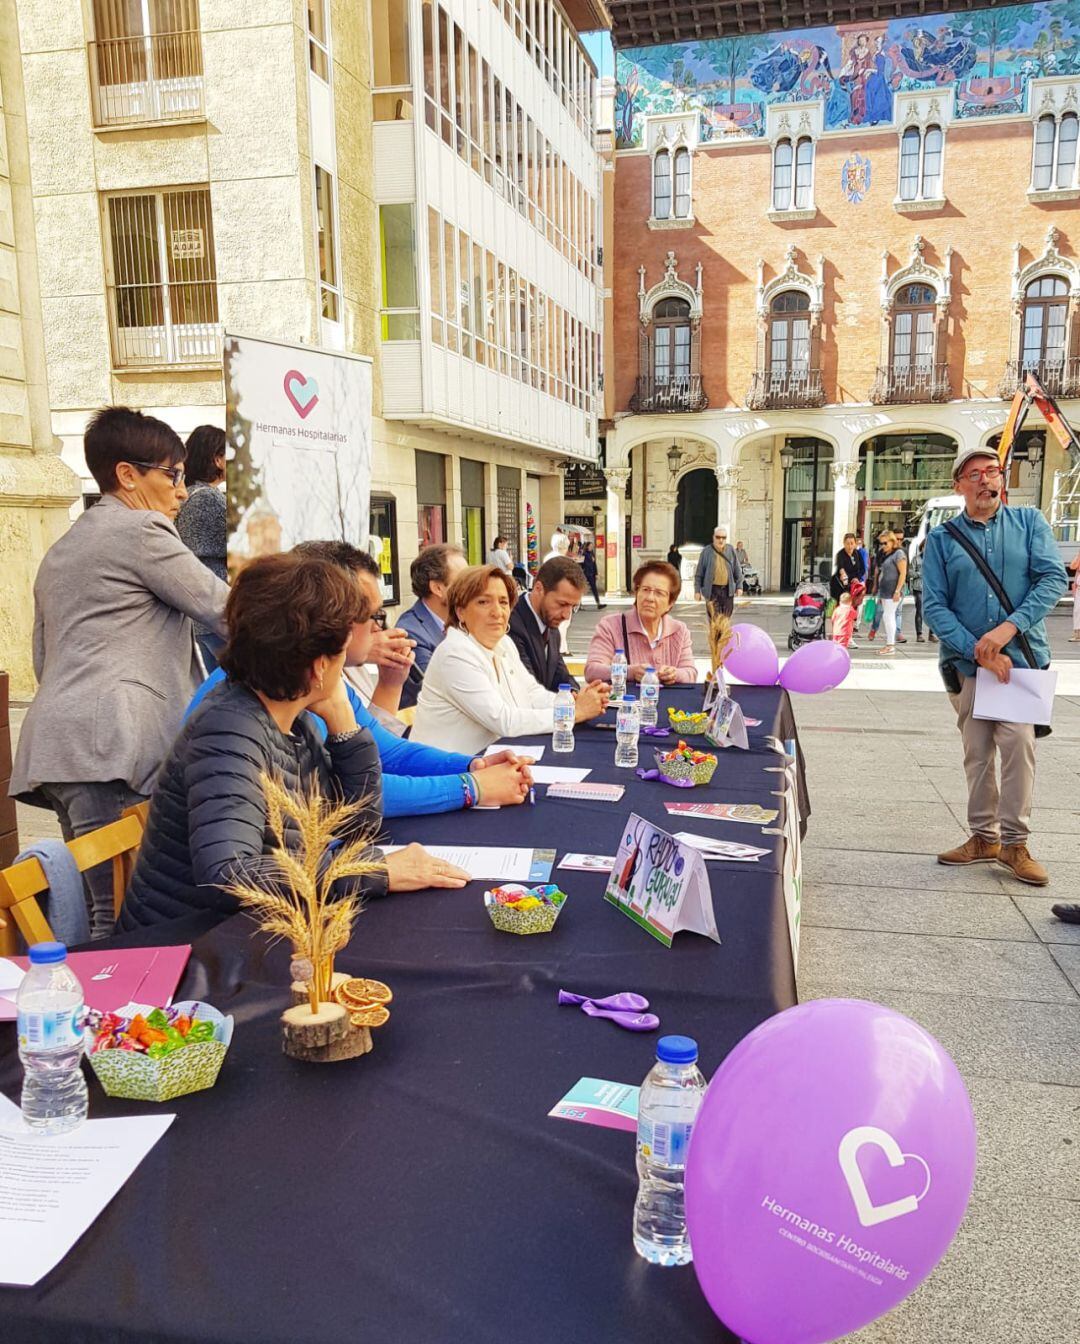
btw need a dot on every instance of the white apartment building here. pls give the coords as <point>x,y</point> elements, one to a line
<point>334,173</point>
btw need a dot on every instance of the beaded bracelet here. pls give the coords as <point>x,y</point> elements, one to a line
<point>470,790</point>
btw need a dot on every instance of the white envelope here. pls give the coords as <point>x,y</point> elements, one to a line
<point>1027,697</point>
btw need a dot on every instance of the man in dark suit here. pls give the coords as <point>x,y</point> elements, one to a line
<point>430,575</point>
<point>537,615</point>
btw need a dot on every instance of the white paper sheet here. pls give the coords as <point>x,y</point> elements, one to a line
<point>52,1189</point>
<point>558,774</point>
<point>1027,697</point>
<point>720,849</point>
<point>588,863</point>
<point>531,749</point>
<point>10,979</point>
<point>482,862</point>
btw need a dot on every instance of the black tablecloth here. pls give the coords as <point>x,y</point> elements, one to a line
<point>421,1193</point>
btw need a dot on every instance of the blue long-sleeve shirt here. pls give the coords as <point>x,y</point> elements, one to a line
<point>416,779</point>
<point>960,606</point>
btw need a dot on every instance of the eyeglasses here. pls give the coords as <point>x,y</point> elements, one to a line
<point>379,618</point>
<point>175,474</point>
<point>719,536</point>
<point>974,477</point>
<point>662,593</point>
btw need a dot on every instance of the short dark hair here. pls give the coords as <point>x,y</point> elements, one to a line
<point>340,553</point>
<point>495,543</point>
<point>850,536</point>
<point>118,434</point>
<point>283,612</point>
<point>432,566</point>
<point>661,567</point>
<point>552,572</point>
<point>205,444</point>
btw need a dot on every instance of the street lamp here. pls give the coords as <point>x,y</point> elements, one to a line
<point>907,453</point>
<point>1036,444</point>
<point>787,459</point>
<point>674,459</point>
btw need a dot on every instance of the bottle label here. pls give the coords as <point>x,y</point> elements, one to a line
<point>649,692</point>
<point>51,1031</point>
<point>663,1143</point>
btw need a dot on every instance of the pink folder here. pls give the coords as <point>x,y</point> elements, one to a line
<point>112,977</point>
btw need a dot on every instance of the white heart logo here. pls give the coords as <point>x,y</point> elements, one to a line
<point>848,1153</point>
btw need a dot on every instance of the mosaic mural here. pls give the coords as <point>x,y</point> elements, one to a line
<point>984,59</point>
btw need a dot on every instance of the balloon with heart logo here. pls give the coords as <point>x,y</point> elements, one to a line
<point>829,1169</point>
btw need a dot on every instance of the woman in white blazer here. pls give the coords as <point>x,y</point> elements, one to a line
<point>476,688</point>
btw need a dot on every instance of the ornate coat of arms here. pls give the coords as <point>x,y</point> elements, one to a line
<point>855,178</point>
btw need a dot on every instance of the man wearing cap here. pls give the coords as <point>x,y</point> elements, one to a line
<point>974,629</point>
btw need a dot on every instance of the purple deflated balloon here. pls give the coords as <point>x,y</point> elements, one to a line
<point>829,1169</point>
<point>816,667</point>
<point>751,656</point>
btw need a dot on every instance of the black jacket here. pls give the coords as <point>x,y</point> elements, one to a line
<point>541,656</point>
<point>207,822</point>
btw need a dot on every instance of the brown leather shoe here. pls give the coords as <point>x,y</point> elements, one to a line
<point>1022,866</point>
<point>975,850</point>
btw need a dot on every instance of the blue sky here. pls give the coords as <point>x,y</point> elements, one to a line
<point>598,45</point>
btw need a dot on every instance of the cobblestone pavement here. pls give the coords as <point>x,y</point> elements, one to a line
<point>972,955</point>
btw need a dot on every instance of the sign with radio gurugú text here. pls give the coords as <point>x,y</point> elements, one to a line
<point>661,884</point>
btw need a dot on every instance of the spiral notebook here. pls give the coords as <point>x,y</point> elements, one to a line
<point>594,792</point>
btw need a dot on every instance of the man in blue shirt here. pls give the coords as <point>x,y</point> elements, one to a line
<point>430,575</point>
<point>416,779</point>
<point>975,630</point>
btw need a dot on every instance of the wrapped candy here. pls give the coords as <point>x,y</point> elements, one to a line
<point>156,1034</point>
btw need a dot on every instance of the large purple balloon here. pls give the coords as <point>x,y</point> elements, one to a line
<point>815,667</point>
<point>829,1168</point>
<point>751,656</point>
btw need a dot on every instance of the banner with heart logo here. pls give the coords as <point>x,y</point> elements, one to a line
<point>298,431</point>
<point>830,1166</point>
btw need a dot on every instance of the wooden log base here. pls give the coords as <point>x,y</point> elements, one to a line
<point>322,1037</point>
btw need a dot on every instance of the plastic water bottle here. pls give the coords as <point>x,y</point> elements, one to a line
<point>50,1010</point>
<point>650,697</point>
<point>668,1105</point>
<point>627,723</point>
<point>562,739</point>
<point>618,675</point>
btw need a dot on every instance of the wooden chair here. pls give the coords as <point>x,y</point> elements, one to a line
<point>23,883</point>
<point>407,716</point>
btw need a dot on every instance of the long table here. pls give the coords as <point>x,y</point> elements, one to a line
<point>420,1194</point>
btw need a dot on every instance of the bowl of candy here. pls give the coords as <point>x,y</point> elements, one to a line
<point>159,1053</point>
<point>691,724</point>
<point>686,763</point>
<point>516,909</point>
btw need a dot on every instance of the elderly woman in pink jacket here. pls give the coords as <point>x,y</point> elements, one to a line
<point>647,634</point>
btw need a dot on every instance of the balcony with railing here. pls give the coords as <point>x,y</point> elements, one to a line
<point>1060,377</point>
<point>779,389</point>
<point>147,79</point>
<point>676,392</point>
<point>909,384</point>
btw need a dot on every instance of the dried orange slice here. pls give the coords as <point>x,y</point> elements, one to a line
<point>374,1015</point>
<point>358,992</point>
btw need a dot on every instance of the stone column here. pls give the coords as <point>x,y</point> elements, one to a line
<point>617,479</point>
<point>727,482</point>
<point>843,475</point>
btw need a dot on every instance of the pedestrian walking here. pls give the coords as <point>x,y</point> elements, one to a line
<point>892,574</point>
<point>848,567</point>
<point>1074,569</point>
<point>988,605</point>
<point>843,620</point>
<point>201,520</point>
<point>588,568</point>
<point>718,577</point>
<point>915,584</point>
<point>674,557</point>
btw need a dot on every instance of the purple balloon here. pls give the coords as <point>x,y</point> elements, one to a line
<point>751,656</point>
<point>816,667</point>
<point>829,1169</point>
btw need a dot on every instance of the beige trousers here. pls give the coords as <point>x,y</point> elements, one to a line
<point>995,813</point>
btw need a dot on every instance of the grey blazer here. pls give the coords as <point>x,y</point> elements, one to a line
<point>114,650</point>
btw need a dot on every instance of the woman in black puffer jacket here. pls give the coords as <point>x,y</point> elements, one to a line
<point>290,619</point>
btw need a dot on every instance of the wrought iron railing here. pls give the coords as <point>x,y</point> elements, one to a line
<point>907,383</point>
<point>781,388</point>
<point>1060,377</point>
<point>152,78</point>
<point>679,392</point>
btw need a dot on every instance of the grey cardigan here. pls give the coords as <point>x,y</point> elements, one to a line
<point>114,650</point>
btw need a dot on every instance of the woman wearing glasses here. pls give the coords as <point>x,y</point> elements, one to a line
<point>647,635</point>
<point>115,605</point>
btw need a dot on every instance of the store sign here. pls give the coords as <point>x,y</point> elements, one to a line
<point>612,550</point>
<point>884,503</point>
<point>187,245</point>
<point>298,431</point>
<point>584,481</point>
<point>636,543</point>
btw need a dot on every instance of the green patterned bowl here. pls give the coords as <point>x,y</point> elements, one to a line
<point>126,1073</point>
<point>697,774</point>
<point>687,723</point>
<point>540,919</point>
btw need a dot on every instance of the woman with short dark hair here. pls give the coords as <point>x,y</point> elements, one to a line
<point>201,521</point>
<point>115,605</point>
<point>290,620</point>
<point>647,635</point>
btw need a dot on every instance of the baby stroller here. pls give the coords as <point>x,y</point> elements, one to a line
<point>751,581</point>
<point>808,613</point>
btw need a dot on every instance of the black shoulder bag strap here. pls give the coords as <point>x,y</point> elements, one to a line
<point>998,589</point>
<point>625,639</point>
